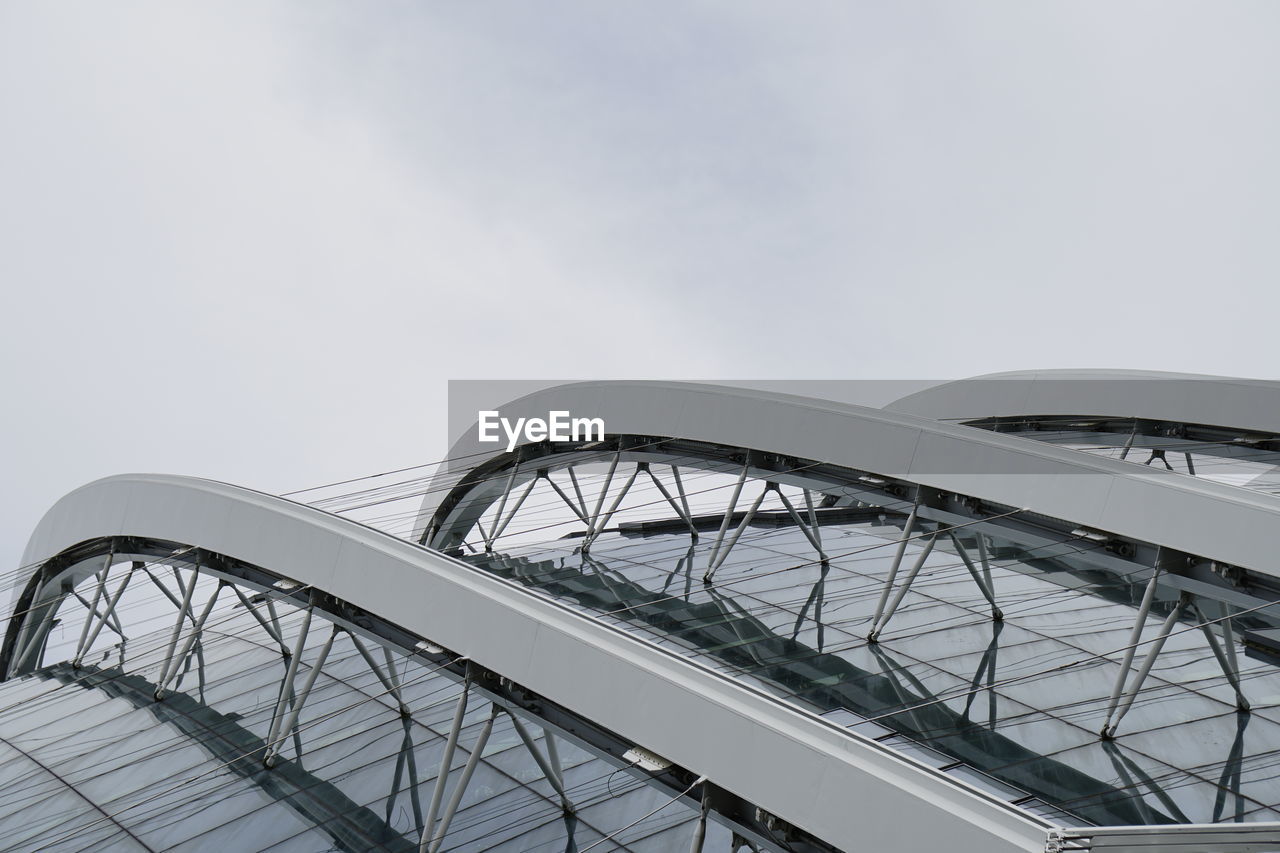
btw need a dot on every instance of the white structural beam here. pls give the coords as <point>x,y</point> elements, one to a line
<point>1151,504</point>
<point>1223,401</point>
<point>835,784</point>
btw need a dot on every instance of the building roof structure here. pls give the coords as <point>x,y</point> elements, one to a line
<point>991,616</point>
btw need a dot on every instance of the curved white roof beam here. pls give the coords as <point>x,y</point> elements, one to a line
<point>1222,401</point>
<point>1191,515</point>
<point>816,775</point>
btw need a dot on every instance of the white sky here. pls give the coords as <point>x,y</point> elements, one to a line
<point>253,241</point>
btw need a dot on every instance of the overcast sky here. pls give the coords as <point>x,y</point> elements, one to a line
<point>253,241</point>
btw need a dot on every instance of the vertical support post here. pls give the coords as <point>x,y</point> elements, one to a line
<point>1228,637</point>
<point>986,563</point>
<point>275,621</point>
<point>184,610</point>
<point>907,529</point>
<point>684,497</point>
<point>502,504</point>
<point>978,579</point>
<point>472,762</point>
<point>553,754</point>
<point>1128,445</point>
<point>110,612</point>
<point>602,523</point>
<point>35,636</point>
<point>547,770</point>
<point>405,760</point>
<point>446,763</point>
<point>113,623</point>
<point>101,576</point>
<point>394,677</point>
<point>877,627</point>
<point>269,759</point>
<point>577,490</point>
<point>582,516</point>
<point>286,686</point>
<point>737,534</point>
<point>700,828</point>
<point>1109,727</point>
<point>173,599</point>
<point>604,491</point>
<point>684,516</point>
<point>514,509</point>
<point>266,626</point>
<point>1229,668</point>
<point>728,515</point>
<point>813,518</point>
<point>35,633</point>
<point>809,533</point>
<point>169,672</point>
<point>1148,596</point>
<point>390,685</point>
<point>484,537</point>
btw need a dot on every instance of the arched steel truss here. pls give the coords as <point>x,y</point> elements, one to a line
<point>935,480</point>
<point>99,571</point>
<point>984,489</point>
<point>1198,585</point>
<point>1241,406</point>
<point>695,424</point>
<point>576,675</point>
<point>1165,420</point>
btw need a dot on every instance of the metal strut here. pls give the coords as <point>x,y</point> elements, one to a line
<point>580,512</point>
<point>266,626</point>
<point>984,580</point>
<point>577,490</point>
<point>101,577</point>
<point>1226,657</point>
<point>553,755</point>
<point>549,771</point>
<point>604,492</point>
<point>172,661</point>
<point>1125,702</point>
<point>390,681</point>
<point>113,623</point>
<point>1128,445</point>
<point>684,497</point>
<point>433,835</point>
<point>432,839</point>
<point>35,638</point>
<point>700,828</point>
<point>907,530</point>
<point>286,686</point>
<point>502,504</point>
<point>718,554</point>
<point>728,516</point>
<point>500,525</point>
<point>810,530</point>
<point>279,733</point>
<point>681,511</point>
<point>879,624</point>
<point>86,644</point>
<point>446,763</point>
<point>600,523</point>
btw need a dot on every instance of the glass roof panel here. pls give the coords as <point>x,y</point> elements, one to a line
<point>1018,703</point>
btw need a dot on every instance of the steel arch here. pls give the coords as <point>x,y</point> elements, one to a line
<point>806,772</point>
